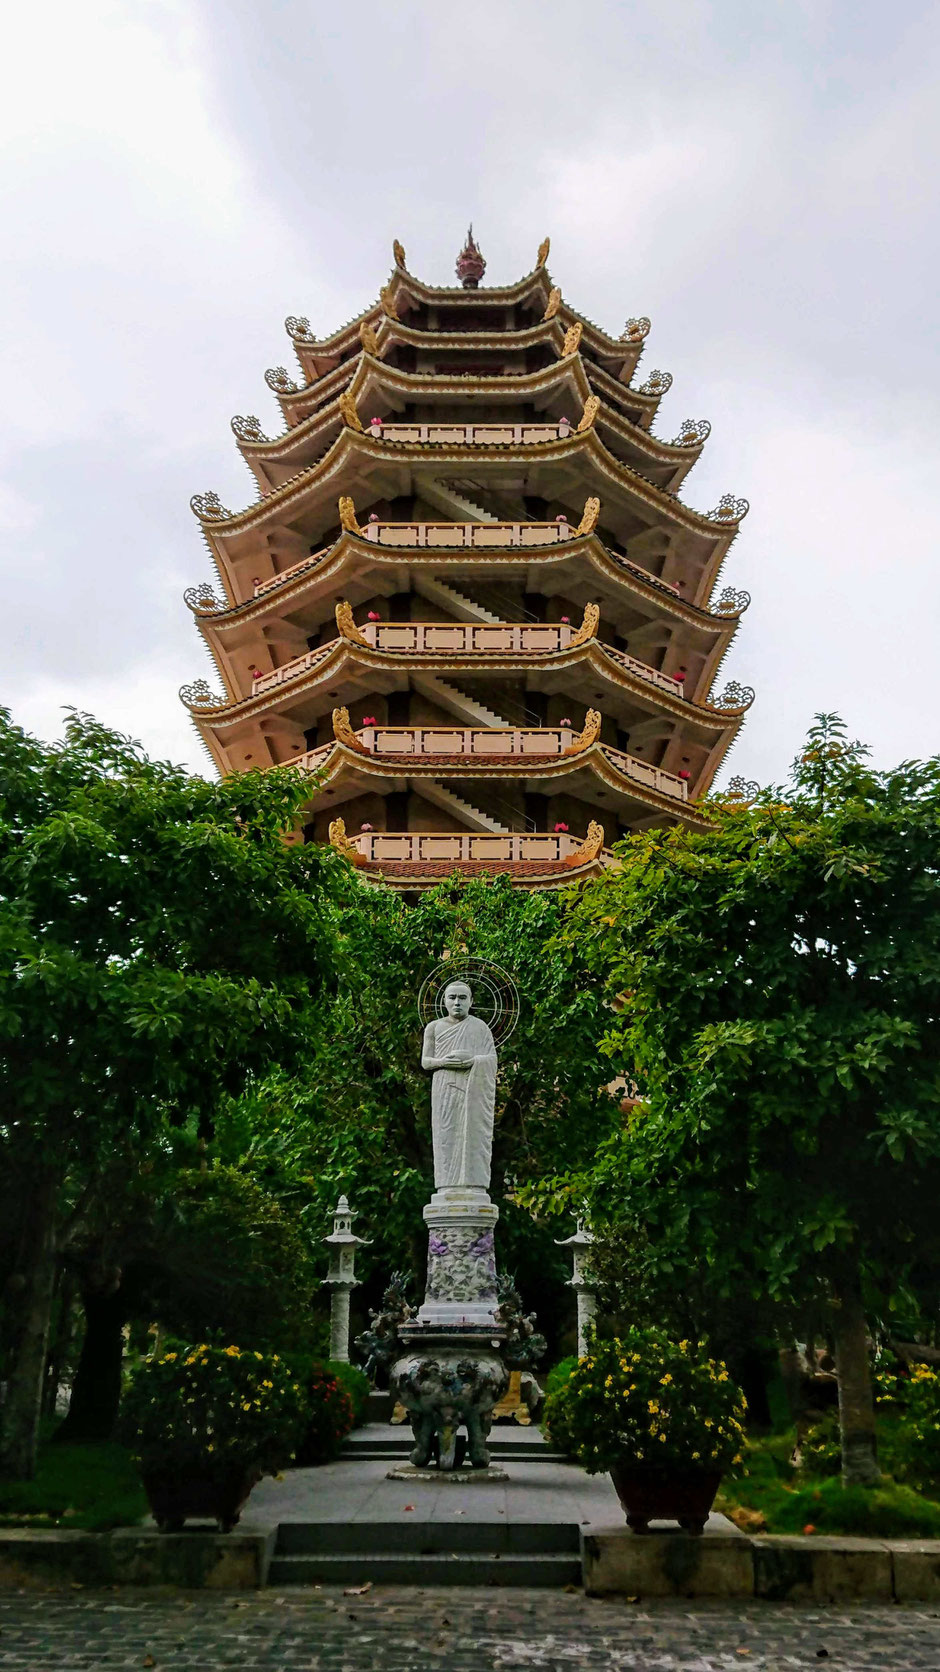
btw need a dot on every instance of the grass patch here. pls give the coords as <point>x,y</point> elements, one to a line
<point>94,1487</point>
<point>790,1500</point>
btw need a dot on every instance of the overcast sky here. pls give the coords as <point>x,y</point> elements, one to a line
<point>758,177</point>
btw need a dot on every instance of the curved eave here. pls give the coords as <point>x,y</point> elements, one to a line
<point>416,876</point>
<point>604,664</point>
<point>352,553</point>
<point>593,767</point>
<point>372,379</point>
<point>587,447</point>
<point>405,283</point>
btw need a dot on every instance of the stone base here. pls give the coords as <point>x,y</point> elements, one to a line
<point>447,1477</point>
<point>461,1287</point>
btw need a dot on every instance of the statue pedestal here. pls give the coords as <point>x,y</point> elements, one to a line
<point>461,1286</point>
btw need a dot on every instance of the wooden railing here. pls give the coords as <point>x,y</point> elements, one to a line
<point>462,637</point>
<point>428,743</point>
<point>468,535</point>
<point>288,670</point>
<point>415,846</point>
<point>472,435</point>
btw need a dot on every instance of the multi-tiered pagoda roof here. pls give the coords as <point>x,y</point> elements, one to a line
<point>468,595</point>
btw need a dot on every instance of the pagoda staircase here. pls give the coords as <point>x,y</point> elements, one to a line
<point>441,592</point>
<point>461,809</point>
<point>450,696</point>
<point>448,497</point>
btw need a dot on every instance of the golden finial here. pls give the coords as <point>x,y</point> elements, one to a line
<point>590,848</point>
<point>588,627</point>
<point>347,515</point>
<point>368,339</point>
<point>592,510</point>
<point>399,253</point>
<point>348,412</point>
<point>592,407</point>
<point>388,305</point>
<point>589,734</point>
<point>572,339</point>
<point>553,304</point>
<point>542,256</point>
<point>345,621</point>
<point>340,841</point>
<point>343,731</point>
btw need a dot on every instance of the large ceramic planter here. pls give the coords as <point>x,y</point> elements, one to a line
<point>683,1495</point>
<point>192,1496</point>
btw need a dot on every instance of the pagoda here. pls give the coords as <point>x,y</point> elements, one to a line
<point>468,595</point>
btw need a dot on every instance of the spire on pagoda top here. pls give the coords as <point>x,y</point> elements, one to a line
<point>471,264</point>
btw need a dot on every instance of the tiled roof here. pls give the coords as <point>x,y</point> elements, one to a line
<point>470,867</point>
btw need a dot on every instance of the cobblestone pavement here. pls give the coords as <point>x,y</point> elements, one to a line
<point>398,1630</point>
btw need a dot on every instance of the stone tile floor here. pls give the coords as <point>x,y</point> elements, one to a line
<point>398,1630</point>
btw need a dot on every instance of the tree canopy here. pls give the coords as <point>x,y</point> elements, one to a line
<point>775,984</point>
<point>159,942</point>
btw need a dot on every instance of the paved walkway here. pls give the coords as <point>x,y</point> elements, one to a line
<point>450,1631</point>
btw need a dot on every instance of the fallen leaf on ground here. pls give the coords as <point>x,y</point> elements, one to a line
<point>358,1590</point>
<point>749,1520</point>
<point>407,1506</point>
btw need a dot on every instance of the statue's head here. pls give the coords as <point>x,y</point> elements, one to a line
<point>457,1000</point>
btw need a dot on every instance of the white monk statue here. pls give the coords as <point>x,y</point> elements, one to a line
<point>460,1052</point>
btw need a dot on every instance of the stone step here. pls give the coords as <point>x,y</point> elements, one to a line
<point>507,1451</point>
<point>457,1534</point>
<point>437,1568</point>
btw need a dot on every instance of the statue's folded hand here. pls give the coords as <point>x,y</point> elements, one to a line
<point>459,1062</point>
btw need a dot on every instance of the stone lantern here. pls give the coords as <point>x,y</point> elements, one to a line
<point>341,1278</point>
<point>582,1281</point>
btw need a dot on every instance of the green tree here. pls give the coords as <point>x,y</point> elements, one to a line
<point>159,941</point>
<point>777,989</point>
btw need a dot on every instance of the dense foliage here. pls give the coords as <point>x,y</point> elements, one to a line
<point>158,943</point>
<point>776,991</point>
<point>644,1400</point>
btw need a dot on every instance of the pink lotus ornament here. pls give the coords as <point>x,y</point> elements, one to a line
<point>561,829</point>
<point>566,621</point>
<point>374,615</point>
<point>369,720</point>
<point>565,721</point>
<point>366,827</point>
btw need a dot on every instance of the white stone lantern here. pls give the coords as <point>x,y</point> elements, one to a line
<point>341,1278</point>
<point>582,1281</point>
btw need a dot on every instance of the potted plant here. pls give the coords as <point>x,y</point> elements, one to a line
<point>206,1423</point>
<point>661,1417</point>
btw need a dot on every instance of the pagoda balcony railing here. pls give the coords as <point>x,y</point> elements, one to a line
<point>415,847</point>
<point>470,535</point>
<point>463,637</point>
<point>444,743</point>
<point>472,435</point>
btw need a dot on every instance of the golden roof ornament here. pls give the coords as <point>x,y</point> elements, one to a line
<point>592,510</point>
<point>388,302</point>
<point>348,411</point>
<point>589,626</point>
<point>553,304</point>
<point>590,848</point>
<point>589,734</point>
<point>347,515</point>
<point>340,841</point>
<point>572,340</point>
<point>399,253</point>
<point>346,623</point>
<point>344,733</point>
<point>471,263</point>
<point>592,407</point>
<point>542,256</point>
<point>368,339</point>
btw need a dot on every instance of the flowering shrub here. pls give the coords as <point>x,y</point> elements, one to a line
<point>209,1408</point>
<point>919,1435</point>
<point>645,1400</point>
<point>821,1446</point>
<point>328,1412</point>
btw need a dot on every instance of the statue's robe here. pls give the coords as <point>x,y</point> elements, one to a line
<point>463,1102</point>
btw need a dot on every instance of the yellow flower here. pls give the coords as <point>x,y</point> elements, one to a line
<point>663,1438</point>
<point>665,1380</point>
<point>683,1346</point>
<point>652,1406</point>
<point>191,1359</point>
<point>245,1405</point>
<point>695,1456</point>
<point>168,1358</point>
